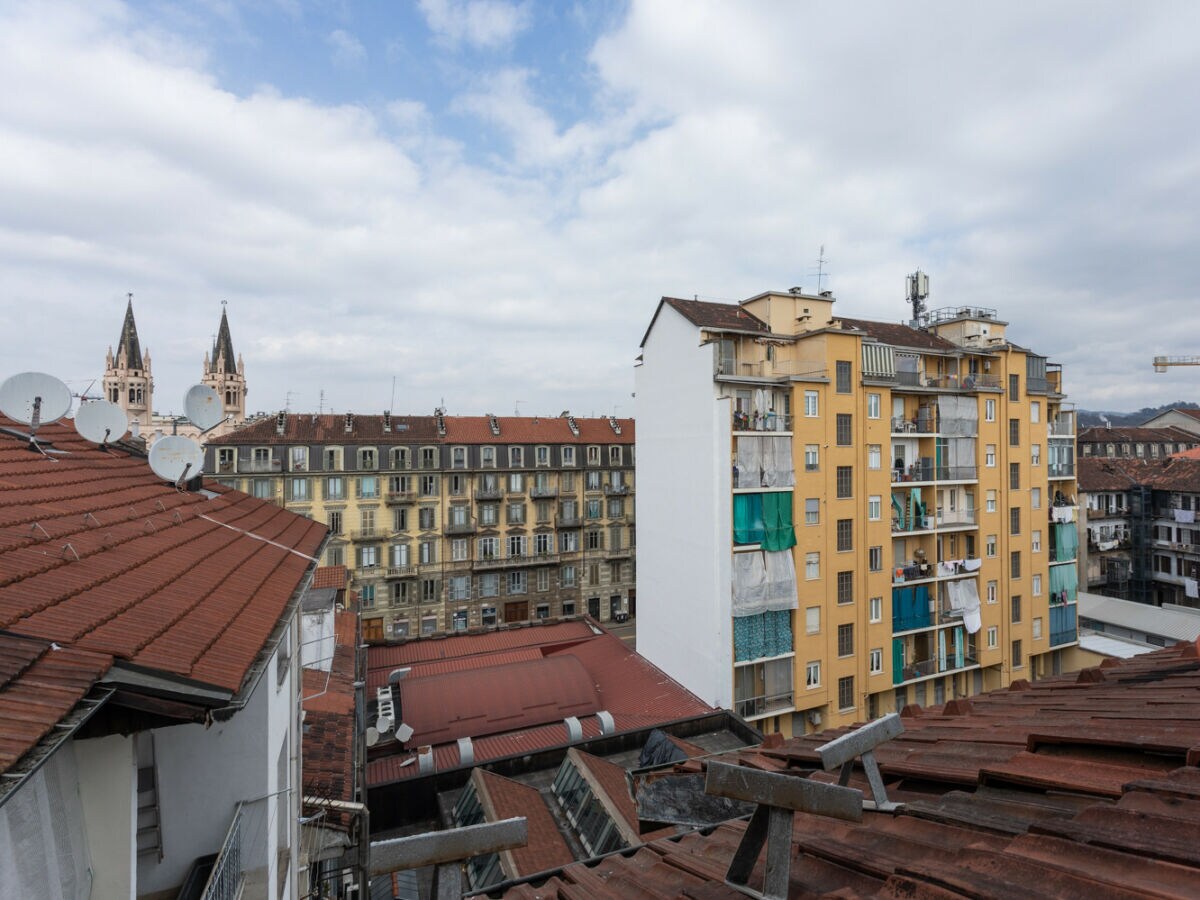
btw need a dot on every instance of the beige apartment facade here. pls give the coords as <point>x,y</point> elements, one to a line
<point>893,517</point>
<point>448,523</point>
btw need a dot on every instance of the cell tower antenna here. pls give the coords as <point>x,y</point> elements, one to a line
<point>321,403</point>
<point>918,291</point>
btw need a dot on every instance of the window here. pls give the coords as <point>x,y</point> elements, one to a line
<point>431,590</point>
<point>298,489</point>
<point>568,541</point>
<point>366,458</point>
<point>846,693</point>
<point>811,406</point>
<point>429,485</point>
<point>593,540</point>
<point>873,406</point>
<point>1035,411</point>
<point>812,620</point>
<point>543,582</point>
<point>428,624</point>
<point>426,518</point>
<point>989,410</point>
<point>1017,659</point>
<point>516,482</point>
<point>876,609</point>
<point>845,482</point>
<point>1037,541</point>
<point>1035,498</point>
<point>488,547</point>
<point>543,544</point>
<point>1014,432</point>
<point>1016,609</point>
<point>845,639</point>
<point>614,455</point>
<point>593,481</point>
<point>429,457</point>
<point>518,583</point>
<point>489,513</point>
<point>593,455</point>
<point>399,457</point>
<point>812,511</point>
<point>487,457</point>
<point>1014,476</point>
<point>812,674</point>
<point>368,487</point>
<point>811,458</point>
<point>518,545</point>
<point>516,456</point>
<point>335,522</point>
<point>875,559</point>
<point>566,576</point>
<point>876,660</point>
<point>1014,564</point>
<point>401,593</point>
<point>427,552</point>
<point>458,587</point>
<point>991,592</point>
<point>1035,455</point>
<point>989,456</point>
<point>332,459</point>
<point>842,375</point>
<point>458,457</point>
<point>812,566</point>
<point>1036,580</point>
<point>1014,520</point>
<point>845,428</point>
<point>368,557</point>
<point>568,608</point>
<point>568,456</point>
<point>366,594</point>
<point>459,550</point>
<point>366,522</point>
<point>991,501</point>
<point>845,535</point>
<point>335,488</point>
<point>993,635</point>
<point>516,513</point>
<point>1014,386</point>
<point>874,456</point>
<point>592,509</point>
<point>875,507</point>
<point>845,587</point>
<point>990,544</point>
<point>1037,629</point>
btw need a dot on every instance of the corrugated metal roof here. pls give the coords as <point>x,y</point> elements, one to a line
<point>1111,646</point>
<point>1141,617</point>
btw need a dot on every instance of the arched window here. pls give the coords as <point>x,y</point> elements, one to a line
<point>132,396</point>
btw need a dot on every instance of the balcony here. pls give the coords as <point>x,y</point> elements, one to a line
<point>902,426</point>
<point>925,472</point>
<point>946,382</point>
<point>401,571</point>
<point>1063,426</point>
<point>461,528</point>
<point>766,705</point>
<point>574,521</point>
<point>911,574</point>
<point>366,534</point>
<point>1060,470</point>
<point>1063,629</point>
<point>619,553</point>
<point>616,490</point>
<point>400,497</point>
<point>485,563</point>
<point>758,422</point>
<point>257,466</point>
<point>488,493</point>
<point>543,492</point>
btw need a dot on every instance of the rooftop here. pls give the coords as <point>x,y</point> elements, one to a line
<point>1097,434</point>
<point>1077,785</point>
<point>328,703</point>
<point>899,335</point>
<point>1172,474</point>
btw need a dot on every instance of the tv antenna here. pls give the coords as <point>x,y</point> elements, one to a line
<point>517,407</point>
<point>34,399</point>
<point>821,273</point>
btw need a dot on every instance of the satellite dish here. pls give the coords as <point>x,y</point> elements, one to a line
<point>101,422</point>
<point>383,724</point>
<point>372,736</point>
<point>34,398</point>
<point>202,405</point>
<point>404,733</point>
<point>176,458</point>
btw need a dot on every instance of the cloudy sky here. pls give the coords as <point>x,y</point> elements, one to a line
<point>480,202</point>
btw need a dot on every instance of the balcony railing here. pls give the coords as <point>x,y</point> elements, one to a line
<point>258,466</point>
<point>488,493</point>
<point>764,705</point>
<point>616,489</point>
<point>225,881</point>
<point>1064,426</point>
<point>401,571</point>
<point>461,528</point>
<point>928,472</point>
<point>366,534</point>
<point>524,559</point>
<point>401,497</point>
<point>901,425</point>
<point>574,521</point>
<point>1061,470</point>
<point>761,422</point>
<point>906,572</point>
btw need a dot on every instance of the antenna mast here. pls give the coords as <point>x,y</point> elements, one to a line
<point>918,291</point>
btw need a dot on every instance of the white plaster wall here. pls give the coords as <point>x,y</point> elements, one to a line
<point>684,511</point>
<point>204,772</point>
<point>316,639</point>
<point>108,791</point>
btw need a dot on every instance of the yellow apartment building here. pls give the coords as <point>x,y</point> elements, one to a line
<point>446,523</point>
<point>842,517</point>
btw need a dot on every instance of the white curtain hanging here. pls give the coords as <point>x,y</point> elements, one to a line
<point>749,461</point>
<point>763,582</point>
<point>777,462</point>
<point>781,581</point>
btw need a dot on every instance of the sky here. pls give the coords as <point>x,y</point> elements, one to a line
<point>477,204</point>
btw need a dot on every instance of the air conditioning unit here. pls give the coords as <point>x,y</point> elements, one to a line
<point>814,718</point>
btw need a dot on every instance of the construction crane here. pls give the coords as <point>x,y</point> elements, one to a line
<point>1162,362</point>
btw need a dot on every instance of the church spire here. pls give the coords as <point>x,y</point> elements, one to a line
<point>128,342</point>
<point>223,359</point>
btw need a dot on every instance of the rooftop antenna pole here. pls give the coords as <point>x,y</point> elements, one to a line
<point>393,404</point>
<point>820,266</point>
<point>321,404</point>
<point>287,403</point>
<point>517,407</point>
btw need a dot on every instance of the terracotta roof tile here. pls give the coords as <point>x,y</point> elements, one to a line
<point>328,740</point>
<point>898,335</point>
<point>330,577</point>
<point>1121,433</point>
<point>716,315</point>
<point>503,798</point>
<point>97,553</point>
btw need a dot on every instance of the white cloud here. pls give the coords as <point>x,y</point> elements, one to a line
<point>477,23</point>
<point>1041,162</point>
<point>348,51</point>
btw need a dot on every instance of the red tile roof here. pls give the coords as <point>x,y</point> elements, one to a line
<point>612,782</point>
<point>636,693</point>
<point>39,684</point>
<point>1194,453</point>
<point>1080,785</point>
<point>725,316</point>
<point>328,741</point>
<point>1121,434</point>
<point>98,554</point>
<point>368,429</point>
<point>330,577</point>
<point>898,335</point>
<point>503,798</point>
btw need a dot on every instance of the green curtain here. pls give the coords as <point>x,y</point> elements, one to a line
<point>777,518</point>
<point>1066,541</point>
<point>762,635</point>
<point>747,518</point>
<point>1064,584</point>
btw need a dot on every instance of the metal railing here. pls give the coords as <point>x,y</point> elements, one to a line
<point>1063,426</point>
<point>225,882</point>
<point>1061,470</point>
<point>764,422</point>
<point>253,466</point>
<point>764,705</point>
<point>543,492</point>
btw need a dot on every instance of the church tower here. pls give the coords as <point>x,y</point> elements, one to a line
<point>127,379</point>
<point>225,373</point>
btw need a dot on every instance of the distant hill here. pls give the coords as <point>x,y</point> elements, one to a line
<point>1089,419</point>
